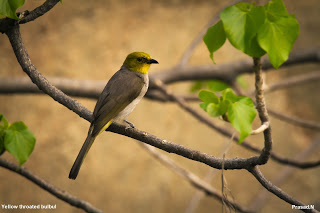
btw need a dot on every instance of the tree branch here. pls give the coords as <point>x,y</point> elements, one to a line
<point>39,11</point>
<point>293,81</point>
<point>275,190</point>
<point>228,72</point>
<point>36,77</point>
<point>280,178</point>
<point>262,110</point>
<point>7,23</point>
<point>59,193</point>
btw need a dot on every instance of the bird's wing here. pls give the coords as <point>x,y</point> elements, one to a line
<point>123,87</point>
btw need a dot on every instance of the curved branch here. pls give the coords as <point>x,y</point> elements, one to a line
<point>36,77</point>
<point>275,190</point>
<point>59,193</point>
<point>39,11</point>
<point>7,23</point>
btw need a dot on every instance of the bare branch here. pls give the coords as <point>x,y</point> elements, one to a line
<point>294,120</point>
<point>59,193</point>
<point>293,81</point>
<point>72,87</point>
<point>36,77</point>
<point>7,23</point>
<point>229,71</point>
<point>39,11</point>
<point>275,190</point>
<point>262,196</point>
<point>262,110</point>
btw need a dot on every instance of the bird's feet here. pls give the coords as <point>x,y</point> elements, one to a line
<point>131,125</point>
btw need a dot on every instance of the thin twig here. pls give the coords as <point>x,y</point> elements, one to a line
<point>293,81</point>
<point>294,120</point>
<point>263,127</point>
<point>59,193</point>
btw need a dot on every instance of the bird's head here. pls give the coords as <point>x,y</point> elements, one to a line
<point>139,62</point>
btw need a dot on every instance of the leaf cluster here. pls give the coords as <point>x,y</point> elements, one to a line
<point>222,102</point>
<point>17,139</point>
<point>255,30</point>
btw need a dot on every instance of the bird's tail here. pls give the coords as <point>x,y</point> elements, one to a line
<point>82,154</point>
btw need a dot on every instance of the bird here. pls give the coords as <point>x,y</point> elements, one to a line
<point>117,100</point>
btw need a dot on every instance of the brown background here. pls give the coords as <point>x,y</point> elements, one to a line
<point>89,40</point>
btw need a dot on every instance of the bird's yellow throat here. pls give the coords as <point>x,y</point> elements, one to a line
<point>138,62</point>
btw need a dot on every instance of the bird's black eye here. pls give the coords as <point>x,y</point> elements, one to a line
<point>139,59</point>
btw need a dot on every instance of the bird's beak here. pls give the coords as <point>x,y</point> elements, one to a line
<point>152,61</point>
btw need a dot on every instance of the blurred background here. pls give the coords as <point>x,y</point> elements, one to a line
<point>90,40</point>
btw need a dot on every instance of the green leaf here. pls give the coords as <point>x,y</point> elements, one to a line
<point>217,86</point>
<point>214,38</point>
<point>204,106</point>
<point>1,140</point>
<point>228,94</point>
<point>275,9</point>
<point>241,23</point>
<point>198,85</point>
<point>2,131</point>
<point>242,82</point>
<point>277,38</point>
<point>8,8</point>
<point>4,121</point>
<point>213,110</point>
<point>216,110</point>
<point>241,115</point>
<point>208,97</point>
<point>19,141</point>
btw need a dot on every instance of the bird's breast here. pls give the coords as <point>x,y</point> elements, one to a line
<point>128,109</point>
